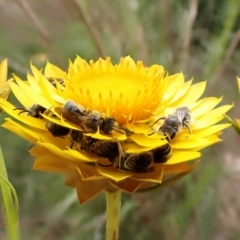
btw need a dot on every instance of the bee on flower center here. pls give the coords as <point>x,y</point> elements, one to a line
<point>174,123</point>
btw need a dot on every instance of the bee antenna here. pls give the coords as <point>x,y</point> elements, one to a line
<point>157,121</point>
<point>23,110</point>
<point>117,131</point>
<point>150,134</point>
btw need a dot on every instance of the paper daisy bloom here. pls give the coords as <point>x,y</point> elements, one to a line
<point>110,127</point>
<point>4,87</point>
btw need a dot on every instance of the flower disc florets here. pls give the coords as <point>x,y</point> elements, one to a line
<point>109,126</point>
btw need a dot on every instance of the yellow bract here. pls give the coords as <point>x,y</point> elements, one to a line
<point>4,86</point>
<point>136,96</point>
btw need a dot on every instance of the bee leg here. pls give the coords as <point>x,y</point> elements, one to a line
<point>105,165</point>
<point>161,118</point>
<point>127,131</point>
<point>150,134</point>
<point>117,131</point>
<point>150,169</point>
<point>188,127</point>
<point>168,137</point>
<point>72,144</point>
<point>121,157</point>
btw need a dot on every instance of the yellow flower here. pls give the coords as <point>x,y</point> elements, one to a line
<point>4,86</point>
<point>137,97</point>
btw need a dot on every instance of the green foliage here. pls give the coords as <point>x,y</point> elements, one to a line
<point>167,32</point>
<point>9,203</point>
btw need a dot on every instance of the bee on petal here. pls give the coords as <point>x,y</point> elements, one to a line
<point>34,111</point>
<point>174,123</point>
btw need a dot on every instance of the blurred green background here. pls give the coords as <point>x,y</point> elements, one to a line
<point>200,38</point>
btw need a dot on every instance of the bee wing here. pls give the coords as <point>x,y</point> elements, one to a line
<point>181,113</point>
<point>81,118</point>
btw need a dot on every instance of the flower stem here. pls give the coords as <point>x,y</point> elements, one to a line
<point>113,214</point>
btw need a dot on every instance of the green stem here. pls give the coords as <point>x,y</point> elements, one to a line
<point>9,199</point>
<point>113,214</point>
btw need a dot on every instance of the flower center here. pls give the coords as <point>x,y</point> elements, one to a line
<point>128,91</point>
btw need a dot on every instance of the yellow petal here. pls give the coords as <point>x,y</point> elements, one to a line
<point>21,95</point>
<point>3,72</point>
<point>53,71</point>
<point>89,189</point>
<point>135,148</point>
<point>128,185</point>
<point>145,141</point>
<point>77,156</point>
<point>186,143</point>
<point>63,154</point>
<point>212,139</point>
<point>179,157</point>
<point>88,171</point>
<point>211,130</point>
<point>212,117</point>
<point>33,82</point>
<point>181,92</point>
<point>31,121</point>
<point>177,168</point>
<point>35,96</point>
<point>155,176</point>
<point>207,104</point>
<point>52,163</point>
<point>174,83</point>
<point>193,94</point>
<point>38,150</point>
<point>28,134</point>
<point>112,173</point>
<point>50,92</point>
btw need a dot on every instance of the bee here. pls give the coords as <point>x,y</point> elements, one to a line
<point>55,129</point>
<point>89,121</point>
<point>135,162</point>
<point>77,136</point>
<point>173,124</point>
<point>34,111</point>
<point>112,149</point>
<point>162,154</point>
<point>110,124</point>
<point>141,162</point>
